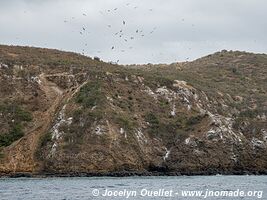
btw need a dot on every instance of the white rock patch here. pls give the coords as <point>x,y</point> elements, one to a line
<point>140,136</point>
<point>167,154</point>
<point>56,134</point>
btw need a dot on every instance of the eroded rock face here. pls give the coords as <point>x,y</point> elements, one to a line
<point>103,118</point>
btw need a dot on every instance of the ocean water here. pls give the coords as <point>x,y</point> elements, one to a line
<point>206,187</point>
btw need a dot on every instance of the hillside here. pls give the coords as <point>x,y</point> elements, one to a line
<point>64,113</point>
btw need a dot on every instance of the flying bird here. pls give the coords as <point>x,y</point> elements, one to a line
<point>84,14</point>
<point>123,22</point>
<point>112,47</point>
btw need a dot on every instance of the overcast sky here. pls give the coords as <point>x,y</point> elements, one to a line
<point>155,31</point>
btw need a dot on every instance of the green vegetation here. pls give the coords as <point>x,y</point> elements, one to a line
<point>172,128</point>
<point>124,122</point>
<point>91,95</point>
<point>1,154</point>
<point>152,119</point>
<point>249,113</point>
<point>15,112</point>
<point>195,120</point>
<point>15,134</point>
<point>154,80</point>
<point>14,116</point>
<point>44,139</point>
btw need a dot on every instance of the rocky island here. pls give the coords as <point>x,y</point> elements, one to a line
<point>65,114</point>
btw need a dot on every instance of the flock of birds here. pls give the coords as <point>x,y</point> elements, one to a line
<point>118,31</point>
<point>122,34</point>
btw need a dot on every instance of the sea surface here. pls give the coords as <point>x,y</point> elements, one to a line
<point>218,187</point>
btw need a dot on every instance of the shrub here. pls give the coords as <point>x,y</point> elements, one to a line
<point>249,113</point>
<point>15,134</point>
<point>44,139</point>
<point>152,119</point>
<point>90,95</point>
<point>17,112</point>
<point>124,122</point>
<point>23,115</point>
<point>194,120</point>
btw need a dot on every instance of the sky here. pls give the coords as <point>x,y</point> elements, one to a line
<point>136,31</point>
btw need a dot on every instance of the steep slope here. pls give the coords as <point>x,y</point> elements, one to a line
<point>79,116</point>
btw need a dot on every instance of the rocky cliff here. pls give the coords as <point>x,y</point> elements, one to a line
<point>64,113</point>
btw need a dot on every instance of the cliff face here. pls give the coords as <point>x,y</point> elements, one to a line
<point>66,113</point>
